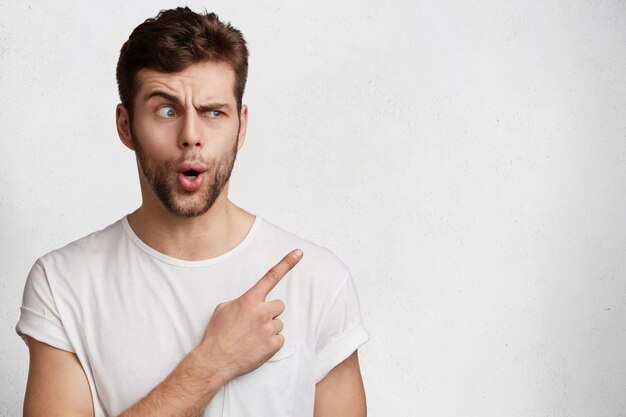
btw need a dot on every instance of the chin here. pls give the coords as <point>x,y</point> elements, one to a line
<point>188,207</point>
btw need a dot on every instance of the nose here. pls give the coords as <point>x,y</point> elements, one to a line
<point>190,135</point>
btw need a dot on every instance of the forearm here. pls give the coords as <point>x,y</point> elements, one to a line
<point>241,335</point>
<point>184,393</point>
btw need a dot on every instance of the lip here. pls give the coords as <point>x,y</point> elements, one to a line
<point>191,166</point>
<point>185,182</point>
<point>190,184</point>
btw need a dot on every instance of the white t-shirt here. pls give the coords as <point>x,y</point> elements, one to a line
<point>131,314</point>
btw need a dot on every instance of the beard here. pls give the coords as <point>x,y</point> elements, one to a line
<point>162,178</point>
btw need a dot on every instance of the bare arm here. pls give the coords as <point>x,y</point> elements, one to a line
<point>241,335</point>
<point>57,385</point>
<point>341,392</point>
<point>184,393</point>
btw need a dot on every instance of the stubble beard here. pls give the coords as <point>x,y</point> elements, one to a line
<point>163,181</point>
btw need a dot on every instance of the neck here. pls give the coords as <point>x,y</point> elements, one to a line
<point>205,236</point>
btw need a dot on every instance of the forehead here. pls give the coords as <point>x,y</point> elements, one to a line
<point>200,81</point>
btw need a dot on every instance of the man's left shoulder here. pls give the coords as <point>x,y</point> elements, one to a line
<point>318,259</point>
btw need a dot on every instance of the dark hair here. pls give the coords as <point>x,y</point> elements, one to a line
<point>175,39</point>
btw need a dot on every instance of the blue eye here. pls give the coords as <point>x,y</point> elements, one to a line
<point>167,112</point>
<point>214,114</point>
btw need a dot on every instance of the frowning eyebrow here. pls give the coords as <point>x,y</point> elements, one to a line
<point>176,100</point>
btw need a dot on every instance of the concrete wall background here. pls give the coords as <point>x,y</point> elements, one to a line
<point>465,159</point>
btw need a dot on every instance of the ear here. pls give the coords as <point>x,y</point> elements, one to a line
<point>123,126</point>
<point>243,125</point>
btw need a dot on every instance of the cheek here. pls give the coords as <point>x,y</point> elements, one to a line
<point>227,132</point>
<point>157,141</point>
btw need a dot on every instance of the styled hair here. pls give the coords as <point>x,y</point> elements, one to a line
<point>175,39</point>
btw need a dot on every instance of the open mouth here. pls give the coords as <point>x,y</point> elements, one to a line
<point>191,174</point>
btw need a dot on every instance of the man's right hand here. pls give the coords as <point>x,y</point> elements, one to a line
<point>240,337</point>
<point>243,333</point>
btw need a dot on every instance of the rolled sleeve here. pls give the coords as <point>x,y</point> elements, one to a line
<point>39,317</point>
<point>342,331</point>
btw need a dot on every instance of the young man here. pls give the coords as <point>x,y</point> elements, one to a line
<point>175,309</point>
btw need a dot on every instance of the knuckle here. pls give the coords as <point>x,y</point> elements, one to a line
<point>263,316</point>
<point>272,275</point>
<point>279,342</point>
<point>269,329</point>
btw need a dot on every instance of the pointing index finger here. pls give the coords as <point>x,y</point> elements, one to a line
<point>275,274</point>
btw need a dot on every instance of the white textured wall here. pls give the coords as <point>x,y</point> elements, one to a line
<point>465,159</point>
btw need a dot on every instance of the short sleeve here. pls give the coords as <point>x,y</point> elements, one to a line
<point>39,317</point>
<point>341,330</point>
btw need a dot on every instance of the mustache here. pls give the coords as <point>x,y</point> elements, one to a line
<point>189,157</point>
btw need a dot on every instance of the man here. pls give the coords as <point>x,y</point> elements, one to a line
<point>174,310</point>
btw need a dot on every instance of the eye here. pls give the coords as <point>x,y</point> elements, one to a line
<point>167,112</point>
<point>214,114</point>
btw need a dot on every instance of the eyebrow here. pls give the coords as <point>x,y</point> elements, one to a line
<point>176,100</point>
